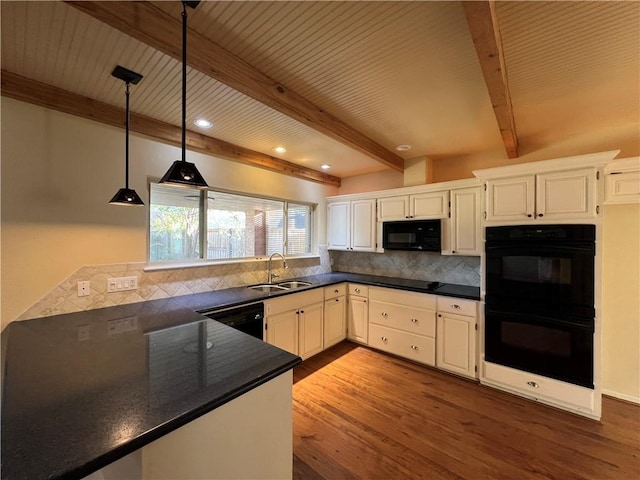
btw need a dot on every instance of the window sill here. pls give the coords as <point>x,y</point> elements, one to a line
<point>152,267</point>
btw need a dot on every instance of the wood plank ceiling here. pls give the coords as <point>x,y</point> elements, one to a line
<point>341,83</point>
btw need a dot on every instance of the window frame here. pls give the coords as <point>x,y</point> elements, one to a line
<point>202,238</point>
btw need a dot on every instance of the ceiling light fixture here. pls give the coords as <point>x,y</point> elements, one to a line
<point>325,166</point>
<point>280,150</point>
<point>183,172</point>
<point>403,148</point>
<point>203,123</point>
<point>126,196</point>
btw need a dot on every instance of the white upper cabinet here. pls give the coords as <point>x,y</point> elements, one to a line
<point>546,196</point>
<point>351,225</point>
<point>419,206</point>
<point>622,181</point>
<point>462,232</point>
<point>564,189</point>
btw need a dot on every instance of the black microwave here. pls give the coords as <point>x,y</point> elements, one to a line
<point>417,235</point>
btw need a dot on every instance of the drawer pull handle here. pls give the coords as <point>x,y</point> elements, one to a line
<point>455,306</point>
<point>336,291</point>
<point>414,320</point>
<point>533,384</point>
<point>384,339</point>
<point>414,347</point>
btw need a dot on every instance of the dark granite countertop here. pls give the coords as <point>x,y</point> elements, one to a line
<point>76,397</point>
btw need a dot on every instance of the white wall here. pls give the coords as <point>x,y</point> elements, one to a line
<point>59,173</point>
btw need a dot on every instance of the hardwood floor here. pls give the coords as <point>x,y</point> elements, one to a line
<point>358,413</point>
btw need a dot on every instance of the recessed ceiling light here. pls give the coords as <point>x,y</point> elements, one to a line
<point>325,166</point>
<point>280,150</point>
<point>403,148</point>
<point>203,123</point>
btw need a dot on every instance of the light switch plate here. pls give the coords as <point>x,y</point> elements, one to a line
<point>121,284</point>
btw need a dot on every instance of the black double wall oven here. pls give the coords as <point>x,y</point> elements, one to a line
<point>539,303</point>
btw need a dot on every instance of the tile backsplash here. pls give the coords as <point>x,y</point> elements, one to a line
<point>183,281</point>
<point>417,265</point>
<point>157,284</point>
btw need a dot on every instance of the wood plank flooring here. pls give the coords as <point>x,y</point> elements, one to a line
<point>358,413</point>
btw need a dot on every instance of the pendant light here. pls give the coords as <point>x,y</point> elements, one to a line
<point>183,172</point>
<point>126,196</point>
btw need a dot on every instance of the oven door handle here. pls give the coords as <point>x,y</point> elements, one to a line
<point>562,320</point>
<point>532,249</point>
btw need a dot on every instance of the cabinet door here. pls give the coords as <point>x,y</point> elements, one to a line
<point>429,205</point>
<point>282,331</point>
<point>335,321</point>
<point>456,344</point>
<point>338,222</point>
<point>465,221</point>
<point>566,195</point>
<point>363,223</point>
<point>511,198</point>
<point>310,324</point>
<point>393,208</point>
<point>358,319</point>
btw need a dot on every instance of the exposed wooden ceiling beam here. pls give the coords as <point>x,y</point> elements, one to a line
<point>27,90</point>
<point>154,27</point>
<point>483,25</point>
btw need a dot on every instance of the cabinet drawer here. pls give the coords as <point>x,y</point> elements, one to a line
<point>408,319</point>
<point>543,388</point>
<point>415,347</point>
<point>402,297</point>
<point>458,306</point>
<point>360,290</point>
<point>334,291</point>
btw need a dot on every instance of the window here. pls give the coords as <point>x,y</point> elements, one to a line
<point>187,224</point>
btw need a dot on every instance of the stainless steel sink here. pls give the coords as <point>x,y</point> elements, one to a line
<point>266,287</point>
<point>294,284</point>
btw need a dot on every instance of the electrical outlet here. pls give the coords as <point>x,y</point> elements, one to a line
<point>121,325</point>
<point>84,288</point>
<point>121,284</point>
<point>83,333</point>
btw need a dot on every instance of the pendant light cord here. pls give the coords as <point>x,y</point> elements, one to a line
<point>184,82</point>
<point>126,148</point>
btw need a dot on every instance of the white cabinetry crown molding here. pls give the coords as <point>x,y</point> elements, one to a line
<point>567,163</point>
<point>427,187</point>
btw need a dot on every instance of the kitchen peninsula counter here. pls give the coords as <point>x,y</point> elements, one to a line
<point>85,389</point>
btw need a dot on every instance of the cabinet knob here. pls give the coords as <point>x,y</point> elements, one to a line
<point>540,215</point>
<point>357,290</point>
<point>440,315</point>
<point>414,320</point>
<point>384,314</point>
<point>406,216</point>
<point>533,384</point>
<point>337,299</point>
<point>529,215</point>
<point>336,291</point>
<point>414,347</point>
<point>301,311</point>
<point>455,306</point>
<point>384,339</point>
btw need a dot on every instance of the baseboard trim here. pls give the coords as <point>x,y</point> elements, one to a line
<point>621,396</point>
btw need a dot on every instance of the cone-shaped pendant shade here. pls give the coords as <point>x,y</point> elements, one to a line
<point>183,172</point>
<point>126,196</point>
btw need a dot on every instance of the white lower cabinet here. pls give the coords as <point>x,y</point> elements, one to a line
<point>295,322</point>
<point>546,390</point>
<point>282,331</point>
<point>358,315</point>
<point>403,323</point>
<point>335,314</point>
<point>457,336</point>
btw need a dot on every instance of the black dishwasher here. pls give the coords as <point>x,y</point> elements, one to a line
<point>246,318</point>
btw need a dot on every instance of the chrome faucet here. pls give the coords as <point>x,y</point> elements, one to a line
<point>270,274</point>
